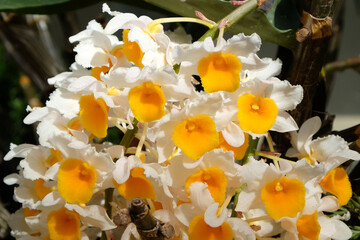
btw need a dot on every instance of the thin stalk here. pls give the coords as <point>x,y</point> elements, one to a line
<point>272,157</point>
<point>125,141</point>
<point>236,197</point>
<point>250,150</point>
<point>232,18</point>
<point>177,20</point>
<point>129,135</point>
<point>142,140</point>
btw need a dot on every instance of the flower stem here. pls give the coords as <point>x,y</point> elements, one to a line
<point>250,151</point>
<point>272,157</point>
<point>232,18</point>
<point>129,135</point>
<point>179,19</point>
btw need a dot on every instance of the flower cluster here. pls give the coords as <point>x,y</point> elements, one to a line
<point>188,113</point>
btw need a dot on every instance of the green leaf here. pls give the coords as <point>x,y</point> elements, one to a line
<point>278,25</point>
<point>43,6</point>
<point>257,21</point>
<point>60,6</point>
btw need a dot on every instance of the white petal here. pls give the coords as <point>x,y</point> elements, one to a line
<point>53,199</point>
<point>186,212</point>
<point>18,151</point>
<point>284,123</point>
<point>233,135</point>
<point>90,56</point>
<point>130,231</point>
<point>200,195</point>
<point>285,95</point>
<point>306,132</point>
<point>211,217</point>
<point>82,83</point>
<point>36,115</point>
<point>116,151</point>
<point>328,204</point>
<point>123,167</point>
<point>93,215</point>
<point>241,229</point>
<point>11,179</point>
<point>118,22</point>
<point>242,45</point>
<point>333,228</point>
<point>245,201</point>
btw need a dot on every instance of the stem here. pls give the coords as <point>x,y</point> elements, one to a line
<point>261,218</point>
<point>125,141</point>
<point>250,151</point>
<point>270,142</point>
<point>179,19</point>
<point>142,140</point>
<point>108,198</point>
<point>229,197</point>
<point>232,17</point>
<point>341,65</point>
<point>236,197</point>
<point>129,135</point>
<point>272,157</point>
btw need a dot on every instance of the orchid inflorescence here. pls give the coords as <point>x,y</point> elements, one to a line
<point>188,113</point>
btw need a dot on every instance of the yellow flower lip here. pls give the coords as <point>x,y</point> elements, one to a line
<point>132,50</point>
<point>283,197</point>
<point>199,230</point>
<point>41,190</point>
<point>337,182</point>
<point>64,224</point>
<point>214,178</point>
<point>147,102</point>
<point>137,186</point>
<point>196,136</point>
<point>220,72</point>
<point>256,114</point>
<point>308,226</point>
<point>94,115</point>
<point>239,152</point>
<point>76,181</point>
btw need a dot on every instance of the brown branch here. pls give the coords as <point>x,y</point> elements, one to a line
<point>310,57</point>
<point>148,227</point>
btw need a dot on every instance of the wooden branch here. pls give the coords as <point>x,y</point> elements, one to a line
<point>148,227</point>
<point>314,40</point>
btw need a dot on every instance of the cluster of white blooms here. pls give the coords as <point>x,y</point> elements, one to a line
<point>194,109</point>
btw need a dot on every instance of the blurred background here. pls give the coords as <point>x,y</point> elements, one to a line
<point>35,47</point>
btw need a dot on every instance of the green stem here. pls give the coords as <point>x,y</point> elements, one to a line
<point>340,65</point>
<point>250,151</point>
<point>232,18</point>
<point>129,135</point>
<point>125,141</point>
<point>236,197</point>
